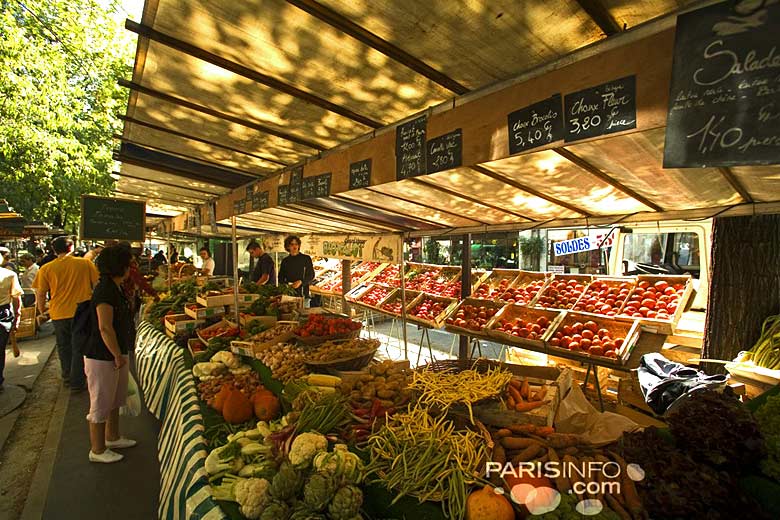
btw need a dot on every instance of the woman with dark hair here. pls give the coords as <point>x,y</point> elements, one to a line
<point>106,354</point>
<point>208,262</point>
<point>296,269</point>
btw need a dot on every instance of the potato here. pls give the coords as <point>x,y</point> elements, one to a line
<point>385,394</point>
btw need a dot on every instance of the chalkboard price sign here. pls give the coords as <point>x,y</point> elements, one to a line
<point>283,195</point>
<point>296,176</point>
<point>604,109</point>
<point>410,148</point>
<point>323,185</point>
<point>294,193</point>
<point>259,201</point>
<point>308,188</point>
<point>105,218</point>
<point>445,152</point>
<point>724,102</point>
<point>240,207</point>
<point>360,174</point>
<point>536,125</point>
<point>249,191</point>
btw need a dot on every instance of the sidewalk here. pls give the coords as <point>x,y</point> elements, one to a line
<point>59,481</point>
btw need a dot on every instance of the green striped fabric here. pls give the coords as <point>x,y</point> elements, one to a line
<point>172,397</point>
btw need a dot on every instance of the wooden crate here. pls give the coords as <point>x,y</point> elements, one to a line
<point>585,279</point>
<point>226,299</point>
<point>487,289</point>
<point>629,330</point>
<point>180,322</point>
<point>222,323</point>
<point>667,327</point>
<point>455,329</point>
<point>28,327</point>
<point>612,282</point>
<point>246,319</point>
<point>359,300</point>
<point>201,313</point>
<point>510,312</point>
<point>524,280</point>
<point>396,296</point>
<point>438,321</point>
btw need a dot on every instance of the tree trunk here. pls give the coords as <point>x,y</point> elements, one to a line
<point>744,283</point>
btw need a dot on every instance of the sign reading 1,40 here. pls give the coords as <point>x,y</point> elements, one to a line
<point>714,136</point>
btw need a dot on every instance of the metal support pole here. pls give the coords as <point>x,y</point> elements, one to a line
<point>346,285</point>
<point>402,274</point>
<point>465,289</point>
<point>234,245</point>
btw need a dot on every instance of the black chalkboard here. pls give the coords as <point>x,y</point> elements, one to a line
<point>444,152</point>
<point>308,188</point>
<point>260,201</point>
<point>536,125</point>
<point>283,195</point>
<point>410,148</point>
<point>296,176</point>
<point>322,188</point>
<point>294,193</point>
<point>249,191</point>
<point>240,207</point>
<point>604,109</point>
<point>104,218</point>
<point>724,101</point>
<point>360,174</point>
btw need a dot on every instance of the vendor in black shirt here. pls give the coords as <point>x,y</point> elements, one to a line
<point>264,272</point>
<point>296,269</point>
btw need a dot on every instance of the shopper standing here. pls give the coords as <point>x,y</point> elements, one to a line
<point>208,263</point>
<point>107,351</point>
<point>264,272</point>
<point>296,269</point>
<point>68,281</point>
<point>10,311</point>
<point>30,271</point>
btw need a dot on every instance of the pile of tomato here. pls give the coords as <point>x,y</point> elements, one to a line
<point>320,325</point>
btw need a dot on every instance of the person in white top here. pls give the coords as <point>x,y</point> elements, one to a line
<point>30,270</point>
<point>208,262</point>
<point>10,303</point>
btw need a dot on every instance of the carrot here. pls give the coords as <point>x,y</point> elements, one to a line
<point>540,395</point>
<point>499,454</point>
<point>517,443</point>
<point>515,383</point>
<point>628,489</point>
<point>530,405</point>
<point>515,394</point>
<point>527,454</point>
<point>526,389</point>
<point>522,428</point>
<point>544,431</point>
<point>561,482</point>
<point>503,432</point>
<point>617,507</point>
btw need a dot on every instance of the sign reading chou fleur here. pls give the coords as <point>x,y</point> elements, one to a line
<point>377,248</point>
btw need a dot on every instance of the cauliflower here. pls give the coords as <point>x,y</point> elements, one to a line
<point>207,370</point>
<point>226,357</point>
<point>341,463</point>
<point>226,458</point>
<point>252,495</point>
<point>305,447</point>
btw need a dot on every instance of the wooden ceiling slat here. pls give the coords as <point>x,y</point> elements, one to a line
<point>347,218</point>
<point>601,16</point>
<point>469,198</point>
<point>418,203</point>
<point>522,187</point>
<point>322,219</point>
<point>570,156</point>
<point>173,203</point>
<point>175,171</point>
<point>734,182</point>
<point>199,139</point>
<point>161,183</point>
<point>283,222</point>
<point>183,155</point>
<point>393,52</point>
<point>387,210</point>
<point>237,68</point>
<point>218,114</point>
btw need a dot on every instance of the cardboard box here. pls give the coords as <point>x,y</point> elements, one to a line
<point>176,323</point>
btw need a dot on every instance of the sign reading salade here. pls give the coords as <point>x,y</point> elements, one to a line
<point>724,102</point>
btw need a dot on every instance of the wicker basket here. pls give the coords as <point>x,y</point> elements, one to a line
<point>336,365</point>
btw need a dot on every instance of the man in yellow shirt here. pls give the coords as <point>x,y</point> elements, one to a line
<point>68,281</point>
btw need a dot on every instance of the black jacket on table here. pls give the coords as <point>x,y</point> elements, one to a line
<point>294,268</point>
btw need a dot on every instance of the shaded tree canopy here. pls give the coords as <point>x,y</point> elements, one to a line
<point>59,101</point>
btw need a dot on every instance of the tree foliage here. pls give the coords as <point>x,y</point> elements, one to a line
<point>59,101</point>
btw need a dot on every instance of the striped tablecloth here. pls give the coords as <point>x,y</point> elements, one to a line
<point>172,397</point>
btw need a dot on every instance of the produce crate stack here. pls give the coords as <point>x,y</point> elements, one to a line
<point>526,287</point>
<point>597,337</point>
<point>176,323</point>
<point>471,317</point>
<point>388,276</point>
<point>429,310</point>
<point>370,296</point>
<point>658,301</point>
<point>495,284</point>
<point>394,304</point>
<point>523,326</point>
<point>563,291</point>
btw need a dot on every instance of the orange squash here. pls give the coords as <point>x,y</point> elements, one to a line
<point>237,408</point>
<point>218,401</point>
<point>486,504</point>
<point>266,405</point>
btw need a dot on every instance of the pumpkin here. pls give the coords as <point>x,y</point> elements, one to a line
<point>218,401</point>
<point>266,405</point>
<point>486,504</point>
<point>237,408</point>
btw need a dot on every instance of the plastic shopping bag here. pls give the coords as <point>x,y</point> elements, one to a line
<point>132,407</point>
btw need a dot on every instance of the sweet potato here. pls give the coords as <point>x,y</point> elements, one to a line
<point>522,428</point>
<point>617,507</point>
<point>530,405</point>
<point>628,488</point>
<point>517,443</point>
<point>561,482</point>
<point>563,440</point>
<point>503,432</point>
<point>525,390</point>
<point>528,453</point>
<point>515,394</point>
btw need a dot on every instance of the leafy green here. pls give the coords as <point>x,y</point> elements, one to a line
<point>768,418</point>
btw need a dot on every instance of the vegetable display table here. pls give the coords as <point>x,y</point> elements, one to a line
<point>171,396</point>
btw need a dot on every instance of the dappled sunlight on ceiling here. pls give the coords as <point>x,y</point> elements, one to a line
<point>409,208</point>
<point>762,182</point>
